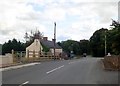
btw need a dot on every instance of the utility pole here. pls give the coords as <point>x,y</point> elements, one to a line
<point>54,37</point>
<point>26,37</point>
<point>105,44</point>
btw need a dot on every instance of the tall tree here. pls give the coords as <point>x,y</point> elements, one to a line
<point>97,42</point>
<point>115,37</point>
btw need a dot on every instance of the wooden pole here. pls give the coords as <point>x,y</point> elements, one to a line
<point>54,37</point>
<point>105,45</point>
<point>27,55</point>
<point>12,53</point>
<point>14,60</point>
<point>34,55</point>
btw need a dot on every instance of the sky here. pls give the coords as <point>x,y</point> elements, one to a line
<point>75,19</point>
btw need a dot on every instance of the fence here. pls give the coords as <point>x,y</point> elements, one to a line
<point>20,57</point>
<point>41,55</point>
<point>32,56</point>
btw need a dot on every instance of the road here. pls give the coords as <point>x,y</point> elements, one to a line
<point>78,71</point>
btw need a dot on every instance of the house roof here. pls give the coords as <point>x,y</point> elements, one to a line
<point>50,44</point>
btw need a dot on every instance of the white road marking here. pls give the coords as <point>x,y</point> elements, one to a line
<point>24,83</point>
<point>72,62</point>
<point>18,66</point>
<point>55,69</point>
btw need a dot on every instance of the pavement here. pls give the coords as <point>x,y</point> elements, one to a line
<point>76,71</point>
<point>18,66</point>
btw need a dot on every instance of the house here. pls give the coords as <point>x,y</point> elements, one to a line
<point>39,44</point>
<point>50,45</point>
<point>34,47</point>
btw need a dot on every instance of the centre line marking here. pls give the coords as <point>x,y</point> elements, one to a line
<point>55,69</point>
<point>71,62</point>
<point>24,83</point>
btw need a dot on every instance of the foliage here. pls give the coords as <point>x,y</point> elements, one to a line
<point>78,48</point>
<point>85,46</point>
<point>115,35</point>
<point>33,35</point>
<point>30,37</point>
<point>45,48</point>
<point>12,44</point>
<point>97,42</point>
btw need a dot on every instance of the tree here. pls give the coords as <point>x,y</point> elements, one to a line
<point>97,42</point>
<point>115,37</point>
<point>78,48</point>
<point>34,35</point>
<point>12,44</point>
<point>113,40</point>
<point>85,46</point>
<point>70,45</point>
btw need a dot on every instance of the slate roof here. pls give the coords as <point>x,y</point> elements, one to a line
<point>50,44</point>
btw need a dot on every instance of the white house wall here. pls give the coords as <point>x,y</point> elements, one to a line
<point>35,46</point>
<point>57,51</point>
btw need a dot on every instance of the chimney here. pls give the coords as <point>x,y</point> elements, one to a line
<point>45,38</point>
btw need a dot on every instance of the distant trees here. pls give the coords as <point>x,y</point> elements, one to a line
<point>85,47</point>
<point>70,45</point>
<point>12,44</point>
<point>78,48</point>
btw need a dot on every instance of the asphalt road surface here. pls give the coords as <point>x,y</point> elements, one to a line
<point>78,71</point>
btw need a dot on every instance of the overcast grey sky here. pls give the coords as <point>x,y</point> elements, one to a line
<point>76,19</point>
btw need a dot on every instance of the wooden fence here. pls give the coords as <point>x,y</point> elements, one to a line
<point>41,55</point>
<point>31,56</point>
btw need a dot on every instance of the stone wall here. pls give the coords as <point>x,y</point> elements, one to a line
<point>6,59</point>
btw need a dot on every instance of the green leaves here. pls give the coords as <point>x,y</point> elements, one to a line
<point>45,48</point>
<point>97,42</point>
<point>12,44</point>
<point>78,48</point>
<point>113,40</point>
<point>115,35</point>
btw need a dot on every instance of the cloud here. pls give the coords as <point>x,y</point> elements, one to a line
<point>61,38</point>
<point>76,19</point>
<point>105,14</point>
<point>55,14</point>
